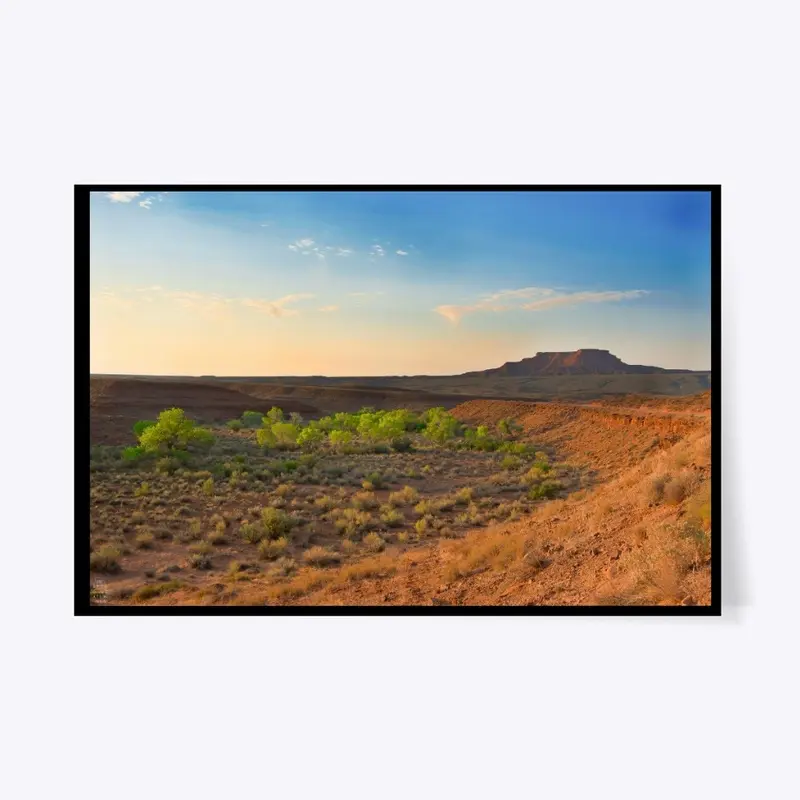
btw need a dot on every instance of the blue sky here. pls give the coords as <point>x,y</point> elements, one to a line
<point>358,283</point>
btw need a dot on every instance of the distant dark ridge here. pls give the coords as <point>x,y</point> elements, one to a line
<point>578,362</point>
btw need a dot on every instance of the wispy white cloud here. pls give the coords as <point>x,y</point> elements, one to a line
<point>540,299</point>
<point>146,202</point>
<point>401,252</point>
<point>206,303</point>
<point>377,250</point>
<point>309,246</point>
<point>122,197</point>
<point>584,297</point>
<point>276,308</point>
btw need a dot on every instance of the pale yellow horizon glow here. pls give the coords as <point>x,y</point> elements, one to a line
<point>149,331</point>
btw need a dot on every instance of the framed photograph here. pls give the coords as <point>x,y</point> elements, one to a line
<point>398,399</point>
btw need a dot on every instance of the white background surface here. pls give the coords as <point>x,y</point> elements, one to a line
<point>568,92</point>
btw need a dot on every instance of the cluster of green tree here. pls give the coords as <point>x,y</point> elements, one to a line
<point>380,429</point>
<point>173,434</point>
<point>339,431</point>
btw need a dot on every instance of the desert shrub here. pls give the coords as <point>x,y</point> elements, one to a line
<point>321,557</point>
<point>199,561</point>
<point>655,489</point>
<point>425,507</point>
<point>373,542</point>
<point>472,516</point>
<point>365,501</point>
<point>216,537</point>
<point>202,547</point>
<point>144,540</point>
<point>234,424</point>
<point>407,495</point>
<point>219,522</point>
<point>509,427</point>
<point>479,439</point>
<point>191,534</point>
<point>325,503</point>
<point>517,448</point>
<point>251,533</point>
<point>208,487</point>
<point>105,559</point>
<point>699,541</point>
<point>699,507</point>
<point>401,444</point>
<point>276,523</point>
<point>511,462</point>
<point>463,496</point>
<point>284,566</point>
<point>282,467</point>
<point>284,489</point>
<point>252,419</point>
<point>142,491</point>
<point>373,481</point>
<point>391,517</point>
<point>544,490</point>
<point>402,537</point>
<point>270,549</point>
<point>168,465</point>
<point>352,522</point>
<point>535,474</point>
<point>378,567</point>
<point>675,491</point>
<point>422,525</point>
<point>152,590</point>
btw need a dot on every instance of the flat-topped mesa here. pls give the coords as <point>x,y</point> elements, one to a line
<point>588,361</point>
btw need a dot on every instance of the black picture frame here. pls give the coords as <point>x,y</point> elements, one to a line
<point>82,605</point>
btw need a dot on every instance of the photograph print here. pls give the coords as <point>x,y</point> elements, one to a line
<point>398,400</point>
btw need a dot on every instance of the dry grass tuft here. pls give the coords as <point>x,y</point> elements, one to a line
<point>321,557</point>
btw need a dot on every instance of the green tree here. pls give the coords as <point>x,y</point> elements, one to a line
<point>173,431</point>
<point>441,426</point>
<point>285,433</point>
<point>311,436</point>
<point>265,437</point>
<point>252,419</point>
<point>340,439</point>
<point>142,425</point>
<point>272,416</point>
